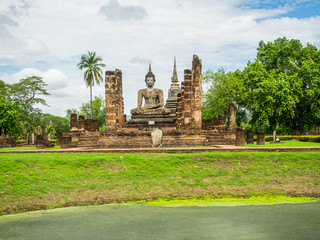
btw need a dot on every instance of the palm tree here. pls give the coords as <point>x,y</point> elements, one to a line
<point>93,73</point>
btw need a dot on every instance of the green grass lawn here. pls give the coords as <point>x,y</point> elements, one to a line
<point>286,143</point>
<point>33,181</point>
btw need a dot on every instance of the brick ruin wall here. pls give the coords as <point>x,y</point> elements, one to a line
<point>7,142</point>
<point>171,138</point>
<point>83,125</point>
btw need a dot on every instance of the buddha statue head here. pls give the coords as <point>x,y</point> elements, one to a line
<point>150,78</point>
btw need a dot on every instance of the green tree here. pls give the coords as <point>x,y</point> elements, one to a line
<point>9,117</point>
<point>224,87</point>
<point>223,90</point>
<point>26,93</point>
<point>93,72</point>
<point>98,110</point>
<point>27,90</point>
<point>282,86</point>
<point>4,91</point>
<point>60,124</point>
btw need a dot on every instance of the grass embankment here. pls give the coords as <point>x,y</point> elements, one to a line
<point>33,181</point>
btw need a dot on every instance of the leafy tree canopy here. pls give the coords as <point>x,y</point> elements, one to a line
<point>283,84</point>
<point>280,88</point>
<point>27,90</point>
<point>223,89</point>
<point>25,94</point>
<point>60,124</point>
<point>9,117</point>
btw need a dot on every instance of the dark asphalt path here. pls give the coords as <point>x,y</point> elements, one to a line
<point>144,222</point>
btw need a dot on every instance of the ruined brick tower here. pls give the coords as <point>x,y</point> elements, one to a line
<point>189,112</point>
<point>114,101</point>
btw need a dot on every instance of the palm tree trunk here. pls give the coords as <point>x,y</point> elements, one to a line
<point>91,101</point>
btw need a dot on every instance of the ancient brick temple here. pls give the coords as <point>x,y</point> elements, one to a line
<point>180,120</point>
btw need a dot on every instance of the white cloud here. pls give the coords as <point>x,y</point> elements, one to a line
<point>53,77</point>
<point>113,11</point>
<point>140,60</point>
<point>17,49</point>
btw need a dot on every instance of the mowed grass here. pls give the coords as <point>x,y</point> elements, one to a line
<point>285,143</point>
<point>32,181</point>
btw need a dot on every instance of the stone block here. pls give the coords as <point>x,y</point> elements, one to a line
<point>240,136</point>
<point>73,122</point>
<point>232,112</point>
<point>250,136</point>
<point>156,138</point>
<point>260,138</point>
<point>81,124</point>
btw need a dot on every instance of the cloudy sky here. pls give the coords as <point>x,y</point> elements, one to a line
<point>47,38</point>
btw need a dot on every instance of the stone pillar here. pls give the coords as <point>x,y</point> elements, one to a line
<point>232,116</point>
<point>250,136</point>
<point>178,112</point>
<point>186,99</point>
<point>221,121</point>
<point>260,138</point>
<point>49,134</point>
<point>240,136</point>
<point>114,101</point>
<point>73,122</point>
<point>39,131</point>
<point>39,139</point>
<point>119,100</point>
<point>196,101</point>
<point>32,137</point>
<point>59,137</point>
<point>111,111</point>
<point>81,123</point>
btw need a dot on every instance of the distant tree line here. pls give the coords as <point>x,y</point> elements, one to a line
<point>279,89</point>
<point>18,113</point>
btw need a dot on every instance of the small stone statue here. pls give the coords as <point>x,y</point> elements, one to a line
<point>39,131</point>
<point>153,98</point>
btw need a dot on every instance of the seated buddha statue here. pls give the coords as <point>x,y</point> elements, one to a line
<point>153,98</point>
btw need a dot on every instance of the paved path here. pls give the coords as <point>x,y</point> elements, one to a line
<point>217,148</point>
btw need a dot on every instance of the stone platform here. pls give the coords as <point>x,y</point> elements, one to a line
<point>153,119</point>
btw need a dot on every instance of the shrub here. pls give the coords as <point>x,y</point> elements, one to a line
<point>309,138</point>
<point>268,138</point>
<point>300,138</point>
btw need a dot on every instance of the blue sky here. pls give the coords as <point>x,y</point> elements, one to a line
<point>47,38</point>
<point>296,9</point>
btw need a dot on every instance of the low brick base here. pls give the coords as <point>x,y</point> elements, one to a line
<point>7,142</point>
<point>141,138</point>
<point>43,143</point>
